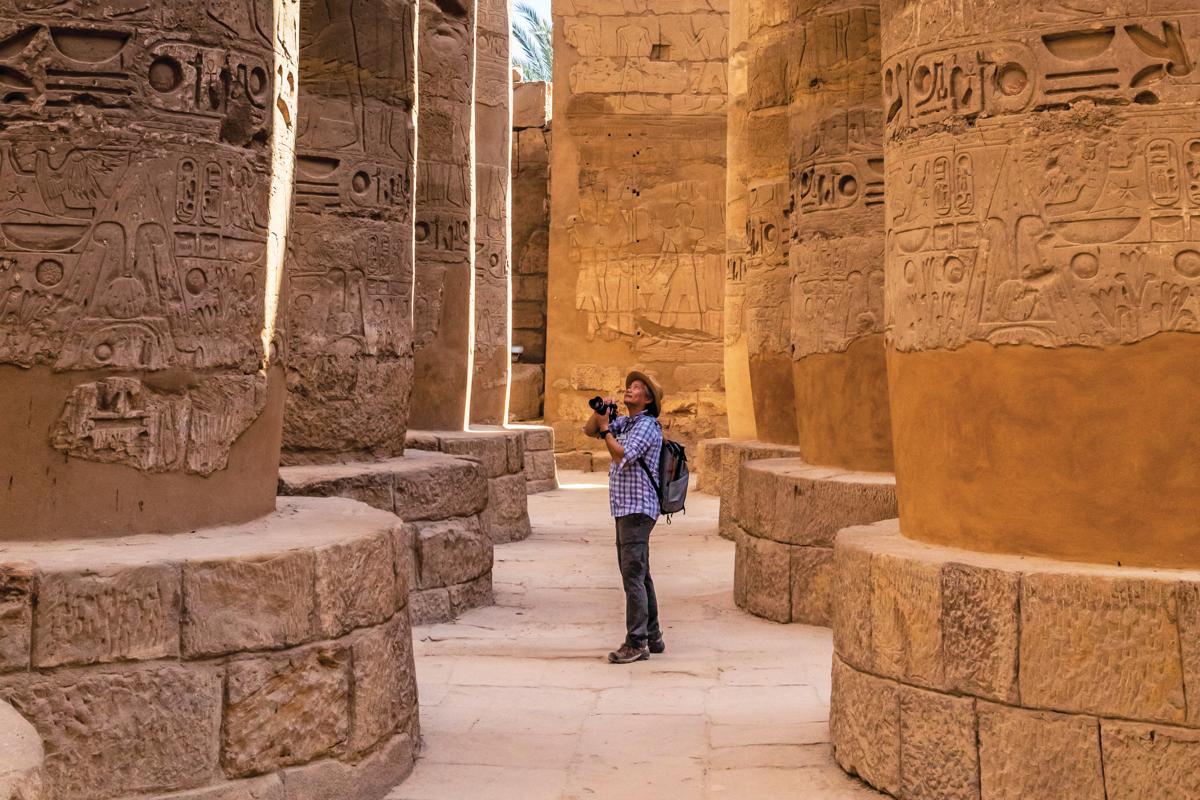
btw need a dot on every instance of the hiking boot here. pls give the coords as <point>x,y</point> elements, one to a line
<point>658,646</point>
<point>627,655</point>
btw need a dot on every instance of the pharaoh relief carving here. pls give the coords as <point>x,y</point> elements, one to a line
<point>1056,200</point>
<point>837,182</point>
<point>350,268</point>
<point>134,172</point>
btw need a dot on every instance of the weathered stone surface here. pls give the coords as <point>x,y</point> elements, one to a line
<point>939,757</point>
<point>852,607</point>
<point>287,708</point>
<point>762,578</point>
<point>979,631</point>
<point>813,585</point>
<point>864,725</point>
<point>370,484</point>
<point>1027,754</point>
<point>539,487</point>
<point>267,787</point>
<point>537,437</point>
<point>382,673</point>
<point>1095,642</point>
<point>526,390</point>
<point>369,779</point>
<point>1143,761</point>
<point>540,466</point>
<point>506,518</point>
<point>21,757</point>
<point>355,584</point>
<point>733,455</point>
<point>16,616</point>
<point>906,619</point>
<point>531,103</point>
<point>404,547</point>
<point>112,733</point>
<point>110,614</point>
<point>451,551</point>
<point>708,465</point>
<point>429,606</point>
<point>1189,646</point>
<point>472,594</point>
<point>451,488</point>
<point>248,603</point>
<point>580,461</point>
<point>489,449</point>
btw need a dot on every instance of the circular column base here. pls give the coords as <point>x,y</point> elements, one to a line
<point>966,675</point>
<point>733,454</point>
<point>787,515</point>
<point>271,659</point>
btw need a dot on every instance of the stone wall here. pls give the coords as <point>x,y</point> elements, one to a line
<point>350,257</point>
<point>531,245</point>
<point>493,208</point>
<point>541,474</point>
<point>21,757</point>
<point>445,216</point>
<point>637,228</point>
<point>441,502</point>
<point>268,659</point>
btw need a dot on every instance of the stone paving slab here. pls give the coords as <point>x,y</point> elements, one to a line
<point>518,701</point>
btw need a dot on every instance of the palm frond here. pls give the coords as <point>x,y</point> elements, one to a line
<point>534,36</point>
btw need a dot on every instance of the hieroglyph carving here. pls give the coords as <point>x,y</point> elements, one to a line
<point>837,180</point>
<point>134,172</point>
<point>350,269</point>
<point>1069,213</point>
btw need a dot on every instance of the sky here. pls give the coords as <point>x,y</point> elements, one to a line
<point>543,8</point>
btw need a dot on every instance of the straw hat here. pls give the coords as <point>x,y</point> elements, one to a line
<point>656,392</point>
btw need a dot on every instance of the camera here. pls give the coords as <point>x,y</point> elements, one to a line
<point>600,407</point>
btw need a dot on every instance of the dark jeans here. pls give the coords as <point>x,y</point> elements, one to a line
<point>633,556</point>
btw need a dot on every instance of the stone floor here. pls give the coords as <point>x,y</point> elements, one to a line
<point>518,702</point>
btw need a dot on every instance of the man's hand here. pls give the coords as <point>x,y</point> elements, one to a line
<point>602,419</point>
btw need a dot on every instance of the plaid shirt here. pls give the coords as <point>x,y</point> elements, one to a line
<point>629,488</point>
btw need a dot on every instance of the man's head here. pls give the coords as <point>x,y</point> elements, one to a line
<point>642,393</point>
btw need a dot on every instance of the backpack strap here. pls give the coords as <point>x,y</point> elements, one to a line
<point>650,474</point>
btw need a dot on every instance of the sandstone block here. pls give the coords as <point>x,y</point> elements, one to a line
<point>812,584</point>
<point>537,437</point>
<point>382,671</point>
<point>708,459</point>
<point>506,518</point>
<point>430,606</point>
<point>515,442</point>
<point>112,733</point>
<point>423,440</point>
<point>451,551</point>
<point>764,575</point>
<point>16,617</point>
<point>1035,754</point>
<point>531,102</point>
<point>940,760</point>
<point>267,787</point>
<point>355,584</point>
<point>284,709</point>
<point>248,603</point>
<point>111,614</point>
<point>1143,761</point>
<point>540,487</point>
<point>979,631</point>
<point>404,547</point>
<point>579,460</point>
<point>864,725</point>
<point>906,619</point>
<point>371,486</point>
<point>472,594</point>
<point>1189,641</point>
<point>439,488</point>
<point>370,779</point>
<point>489,450</point>
<point>526,390</point>
<point>539,465</point>
<point>852,606</point>
<point>1096,643</point>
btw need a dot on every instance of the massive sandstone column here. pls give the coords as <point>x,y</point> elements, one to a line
<point>350,255</point>
<point>637,210</point>
<point>139,268</point>
<point>1043,267</point>
<point>493,204</point>
<point>756,218</point>
<point>443,315</point>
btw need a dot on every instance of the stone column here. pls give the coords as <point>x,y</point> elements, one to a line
<point>443,318</point>
<point>493,182</point>
<point>837,231</point>
<point>1043,261</point>
<point>138,265</point>
<point>350,255</point>
<point>756,217</point>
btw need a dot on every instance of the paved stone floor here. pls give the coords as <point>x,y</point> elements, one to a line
<point>518,702</point>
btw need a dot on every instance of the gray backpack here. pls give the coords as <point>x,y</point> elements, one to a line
<point>670,480</point>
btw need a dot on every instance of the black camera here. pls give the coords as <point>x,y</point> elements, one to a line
<point>600,407</point>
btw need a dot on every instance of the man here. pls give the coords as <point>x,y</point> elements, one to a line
<point>633,441</point>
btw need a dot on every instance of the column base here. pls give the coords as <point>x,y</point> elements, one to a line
<point>214,664</point>
<point>540,473</point>
<point>706,465</point>
<point>787,515</point>
<point>443,500</point>
<point>965,675</point>
<point>735,453</point>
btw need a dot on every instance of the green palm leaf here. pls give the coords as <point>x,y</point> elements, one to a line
<point>535,38</point>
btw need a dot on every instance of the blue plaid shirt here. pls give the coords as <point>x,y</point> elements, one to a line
<point>629,488</point>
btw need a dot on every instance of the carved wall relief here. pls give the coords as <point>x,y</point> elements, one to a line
<point>1077,229</point>
<point>445,212</point>
<point>350,271</point>
<point>493,180</point>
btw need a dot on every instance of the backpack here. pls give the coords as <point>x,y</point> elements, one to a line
<point>671,481</point>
